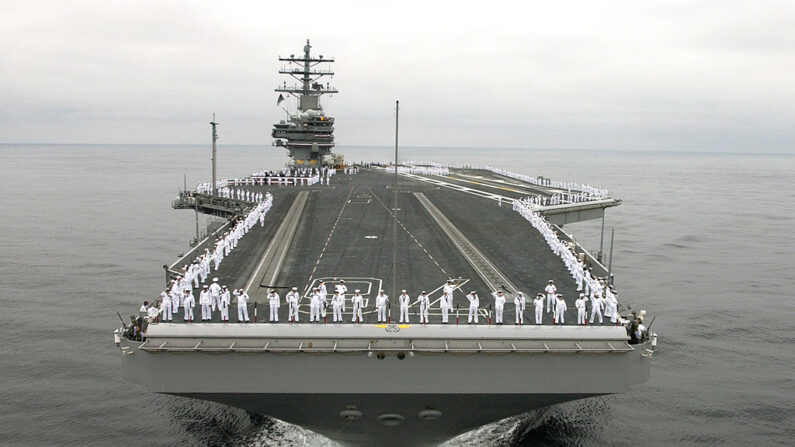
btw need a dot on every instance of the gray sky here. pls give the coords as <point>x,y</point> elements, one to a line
<point>658,75</point>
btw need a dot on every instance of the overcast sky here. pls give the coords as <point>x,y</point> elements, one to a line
<point>656,75</point>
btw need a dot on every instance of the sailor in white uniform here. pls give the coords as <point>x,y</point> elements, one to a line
<point>551,292</point>
<point>188,303</point>
<point>176,294</point>
<point>380,305</point>
<point>342,289</point>
<point>560,309</point>
<point>499,307</point>
<point>215,293</point>
<point>449,288</point>
<point>580,305</point>
<point>336,307</point>
<point>314,305</point>
<point>425,304</point>
<point>404,301</point>
<point>273,303</point>
<point>205,301</point>
<point>519,303</point>
<point>321,288</point>
<point>444,303</point>
<point>226,300</point>
<point>539,307</point>
<point>596,307</point>
<point>242,305</point>
<point>474,305</point>
<point>292,301</point>
<point>357,301</point>
<point>165,304</point>
<point>611,306</point>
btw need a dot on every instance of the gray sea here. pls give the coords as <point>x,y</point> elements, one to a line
<point>703,242</point>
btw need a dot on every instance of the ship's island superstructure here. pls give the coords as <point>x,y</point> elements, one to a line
<point>365,383</point>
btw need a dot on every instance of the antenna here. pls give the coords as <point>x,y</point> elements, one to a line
<point>215,138</point>
<point>394,204</point>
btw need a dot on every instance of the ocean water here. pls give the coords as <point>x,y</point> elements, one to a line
<point>703,242</point>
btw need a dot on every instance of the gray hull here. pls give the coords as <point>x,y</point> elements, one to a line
<point>385,393</point>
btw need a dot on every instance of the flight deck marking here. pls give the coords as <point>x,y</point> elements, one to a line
<point>389,211</point>
<point>333,227</point>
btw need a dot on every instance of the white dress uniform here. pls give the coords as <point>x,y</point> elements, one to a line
<point>612,307</point>
<point>596,307</point>
<point>449,288</point>
<point>342,289</point>
<point>205,301</point>
<point>336,307</point>
<point>499,308</point>
<point>405,300</point>
<point>242,305</point>
<point>474,305</point>
<point>580,305</point>
<point>380,305</point>
<point>215,294</point>
<point>357,301</point>
<point>323,300</point>
<point>165,304</point>
<point>444,306</point>
<point>519,303</point>
<point>314,306</point>
<point>273,302</point>
<point>539,305</point>
<point>188,303</point>
<point>560,309</point>
<point>226,300</point>
<point>176,296</point>
<point>424,305</point>
<point>292,302</point>
<point>551,293</point>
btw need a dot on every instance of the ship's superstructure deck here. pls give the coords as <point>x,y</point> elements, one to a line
<point>457,226</point>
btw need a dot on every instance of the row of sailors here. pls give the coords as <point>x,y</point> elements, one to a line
<point>198,271</point>
<point>422,170</point>
<point>594,288</point>
<point>211,297</point>
<point>587,192</point>
<point>219,297</point>
<point>241,194</point>
<point>556,199</point>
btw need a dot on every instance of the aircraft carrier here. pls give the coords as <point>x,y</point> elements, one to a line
<point>365,382</point>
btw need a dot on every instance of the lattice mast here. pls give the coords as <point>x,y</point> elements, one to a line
<point>309,133</point>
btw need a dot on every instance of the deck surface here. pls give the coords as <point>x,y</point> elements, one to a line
<point>346,232</point>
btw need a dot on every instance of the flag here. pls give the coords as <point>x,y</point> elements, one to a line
<point>281,98</point>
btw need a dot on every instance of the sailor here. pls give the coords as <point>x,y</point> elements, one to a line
<point>611,306</point>
<point>273,301</point>
<point>226,300</point>
<point>551,292</point>
<point>176,294</point>
<point>499,306</point>
<point>342,289</point>
<point>314,305</point>
<point>152,311</point>
<point>404,301</point>
<point>519,303</point>
<point>380,305</point>
<point>188,303</point>
<point>539,307</point>
<point>444,306</point>
<point>336,307</point>
<point>580,305</point>
<point>321,288</point>
<point>640,331</point>
<point>424,305</point>
<point>449,288</point>
<point>560,309</point>
<point>215,294</point>
<point>205,301</point>
<point>357,301</point>
<point>474,304</point>
<point>596,307</point>
<point>165,304</point>
<point>144,307</point>
<point>242,305</point>
<point>292,298</point>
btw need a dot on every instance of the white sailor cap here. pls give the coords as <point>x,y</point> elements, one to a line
<point>499,291</point>
<point>342,280</point>
<point>551,280</point>
<point>319,280</point>
<point>582,295</point>
<point>423,292</point>
<point>357,290</point>
<point>295,288</point>
<point>215,279</point>
<point>205,287</point>
<point>560,295</point>
<point>404,290</point>
<point>449,280</point>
